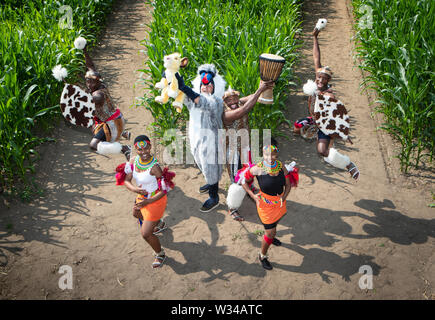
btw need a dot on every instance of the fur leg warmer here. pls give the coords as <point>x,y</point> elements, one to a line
<point>104,147</point>
<point>235,196</point>
<point>337,159</point>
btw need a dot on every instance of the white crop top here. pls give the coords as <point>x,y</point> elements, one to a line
<point>144,179</point>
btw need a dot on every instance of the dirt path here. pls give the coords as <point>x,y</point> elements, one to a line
<point>333,226</point>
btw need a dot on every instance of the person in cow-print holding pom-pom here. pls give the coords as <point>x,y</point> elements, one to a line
<point>109,122</point>
<point>324,141</point>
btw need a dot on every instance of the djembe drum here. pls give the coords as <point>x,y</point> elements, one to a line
<point>270,69</point>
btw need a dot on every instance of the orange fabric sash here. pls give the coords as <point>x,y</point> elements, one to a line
<point>153,211</point>
<point>270,208</point>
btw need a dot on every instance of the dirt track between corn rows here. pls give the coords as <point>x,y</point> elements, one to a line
<point>332,228</point>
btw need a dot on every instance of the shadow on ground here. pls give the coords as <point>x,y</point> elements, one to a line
<point>308,225</point>
<point>65,193</point>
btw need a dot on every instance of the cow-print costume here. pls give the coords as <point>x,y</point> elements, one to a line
<point>331,117</point>
<point>77,106</point>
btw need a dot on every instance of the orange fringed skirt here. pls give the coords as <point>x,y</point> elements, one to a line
<point>270,208</point>
<point>153,211</point>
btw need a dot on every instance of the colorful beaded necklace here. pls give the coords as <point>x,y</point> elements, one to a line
<point>144,166</point>
<point>273,168</point>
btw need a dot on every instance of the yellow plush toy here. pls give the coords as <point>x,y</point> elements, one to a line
<point>169,83</point>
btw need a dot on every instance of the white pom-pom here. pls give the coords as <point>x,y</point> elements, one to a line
<point>321,24</point>
<point>80,43</point>
<point>105,147</point>
<point>59,72</point>
<point>310,88</point>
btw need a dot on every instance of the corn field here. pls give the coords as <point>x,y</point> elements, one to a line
<point>231,35</point>
<point>36,36</point>
<point>396,45</point>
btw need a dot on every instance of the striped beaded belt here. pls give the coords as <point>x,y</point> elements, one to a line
<point>149,195</point>
<point>270,201</point>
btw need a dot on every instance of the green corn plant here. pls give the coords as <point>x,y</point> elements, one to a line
<point>397,53</point>
<point>32,43</point>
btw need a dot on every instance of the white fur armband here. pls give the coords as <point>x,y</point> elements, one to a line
<point>127,168</point>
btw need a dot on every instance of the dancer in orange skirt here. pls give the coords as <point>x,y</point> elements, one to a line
<point>152,185</point>
<point>275,182</point>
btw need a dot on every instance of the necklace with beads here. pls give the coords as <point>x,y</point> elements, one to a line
<point>144,165</point>
<point>271,168</point>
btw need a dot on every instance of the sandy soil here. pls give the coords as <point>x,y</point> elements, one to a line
<point>333,226</point>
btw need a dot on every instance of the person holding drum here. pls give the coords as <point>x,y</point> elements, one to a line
<point>323,89</point>
<point>275,184</point>
<point>235,116</point>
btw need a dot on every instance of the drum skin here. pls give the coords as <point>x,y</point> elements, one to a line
<point>270,69</point>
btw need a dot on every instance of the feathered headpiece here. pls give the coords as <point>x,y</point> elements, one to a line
<point>207,73</point>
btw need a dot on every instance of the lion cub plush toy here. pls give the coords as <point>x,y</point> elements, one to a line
<point>169,83</point>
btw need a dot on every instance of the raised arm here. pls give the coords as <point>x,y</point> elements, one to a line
<point>89,63</point>
<point>247,103</point>
<point>192,95</point>
<point>316,50</point>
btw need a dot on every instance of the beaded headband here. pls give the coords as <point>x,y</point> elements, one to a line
<point>270,148</point>
<point>141,144</point>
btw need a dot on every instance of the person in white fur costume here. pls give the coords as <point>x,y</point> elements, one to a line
<point>321,87</point>
<point>205,107</point>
